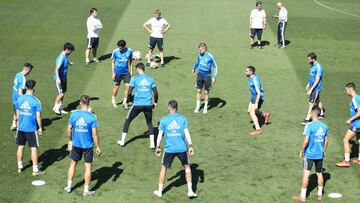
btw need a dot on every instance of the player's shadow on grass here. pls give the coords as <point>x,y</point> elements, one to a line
<point>313,181</point>
<point>354,148</point>
<point>73,105</point>
<point>49,121</point>
<point>104,57</point>
<point>216,102</point>
<point>145,135</point>
<point>287,42</point>
<point>197,176</point>
<point>103,175</point>
<point>168,59</point>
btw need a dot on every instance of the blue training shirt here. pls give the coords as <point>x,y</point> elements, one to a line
<point>82,123</point>
<point>122,60</point>
<point>62,63</point>
<point>254,85</point>
<point>28,105</point>
<point>204,64</point>
<point>19,84</point>
<point>354,105</point>
<point>316,131</point>
<point>173,126</point>
<point>142,85</point>
<point>316,70</point>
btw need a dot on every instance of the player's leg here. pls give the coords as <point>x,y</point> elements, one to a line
<point>283,42</point>
<point>148,116</point>
<point>152,44</point>
<point>64,89</point>
<point>160,44</point>
<point>88,157</point>
<point>347,150</point>
<point>305,180</point>
<point>87,51</point>
<point>94,50</point>
<point>322,109</point>
<point>166,162</point>
<point>357,161</point>
<point>19,156</point>
<point>259,34</point>
<point>254,119</point>
<point>33,143</point>
<point>126,79</point>
<point>199,86</point>
<point>252,36</point>
<point>70,175</point>
<point>279,34</point>
<point>320,179</point>
<point>207,88</point>
<point>133,112</point>
<point>58,99</point>
<point>115,89</point>
<point>185,161</point>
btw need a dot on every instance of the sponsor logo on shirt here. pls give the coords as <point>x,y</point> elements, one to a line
<point>173,125</point>
<point>81,126</point>
<point>25,109</point>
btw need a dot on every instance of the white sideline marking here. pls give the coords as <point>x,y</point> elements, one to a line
<point>334,9</point>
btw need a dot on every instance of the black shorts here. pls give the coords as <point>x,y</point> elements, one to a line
<point>77,152</point>
<point>156,41</point>
<point>169,157</point>
<point>14,108</point>
<point>92,42</point>
<point>256,32</point>
<point>314,97</point>
<point>30,137</point>
<point>62,87</point>
<point>203,82</point>
<point>308,164</point>
<point>122,77</point>
<point>354,129</point>
<point>259,104</point>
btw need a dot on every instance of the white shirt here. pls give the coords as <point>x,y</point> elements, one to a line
<point>93,26</point>
<point>157,26</point>
<point>257,19</point>
<point>283,15</point>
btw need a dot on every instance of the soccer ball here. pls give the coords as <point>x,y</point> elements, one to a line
<point>136,55</point>
<point>153,64</point>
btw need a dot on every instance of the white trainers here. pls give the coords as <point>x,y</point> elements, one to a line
<point>192,194</point>
<point>158,193</point>
<point>126,107</point>
<point>64,112</point>
<point>196,110</point>
<point>39,172</point>
<point>56,111</point>
<point>20,169</point>
<point>88,193</point>
<point>121,143</point>
<point>114,104</point>
<point>205,111</point>
<point>96,60</point>
<point>67,189</point>
<point>13,127</point>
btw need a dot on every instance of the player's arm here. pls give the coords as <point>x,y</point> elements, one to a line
<point>156,96</point>
<point>113,69</point>
<point>147,26</point>
<point>38,119</point>
<point>215,70</point>
<point>196,65</point>
<point>69,132</point>
<point>303,146</point>
<point>317,80</point>
<point>188,140</point>
<point>57,75</point>
<point>17,117</point>
<point>158,143</point>
<point>96,140</point>
<point>167,27</point>
<point>356,116</point>
<point>258,93</point>
<point>130,91</point>
<point>250,22</point>
<point>99,24</point>
<point>131,66</point>
<point>264,22</point>
<point>326,143</point>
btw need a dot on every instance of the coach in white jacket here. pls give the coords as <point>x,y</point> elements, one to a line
<point>93,28</point>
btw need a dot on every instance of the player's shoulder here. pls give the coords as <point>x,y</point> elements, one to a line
<point>115,51</point>
<point>129,49</point>
<point>36,99</point>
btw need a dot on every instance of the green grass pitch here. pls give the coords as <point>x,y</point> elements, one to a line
<point>228,165</point>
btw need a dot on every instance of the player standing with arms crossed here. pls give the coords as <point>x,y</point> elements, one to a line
<point>93,25</point>
<point>313,150</point>
<point>204,62</point>
<point>19,88</point>
<point>175,129</point>
<point>82,134</point>
<point>28,111</point>
<point>157,26</point>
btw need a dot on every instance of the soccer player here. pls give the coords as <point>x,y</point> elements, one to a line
<point>204,81</point>
<point>177,136</point>
<point>257,24</point>
<point>19,88</point>
<point>313,88</point>
<point>94,25</point>
<point>256,101</point>
<point>354,122</point>
<point>28,111</point>
<point>121,61</point>
<point>144,86</point>
<point>157,26</point>
<point>283,17</point>
<point>82,134</point>
<point>60,76</point>
<point>313,150</point>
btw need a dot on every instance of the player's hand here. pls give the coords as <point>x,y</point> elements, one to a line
<point>98,151</point>
<point>301,155</point>
<point>308,92</point>
<point>193,72</point>
<point>40,131</point>
<point>58,81</point>
<point>307,88</point>
<point>158,151</point>
<point>113,76</point>
<point>213,81</point>
<point>191,151</point>
<point>155,106</point>
<point>69,147</point>
<point>348,122</point>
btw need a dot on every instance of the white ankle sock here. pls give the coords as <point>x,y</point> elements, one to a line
<point>303,193</point>
<point>190,187</point>
<point>69,182</point>
<point>35,168</point>
<point>320,190</point>
<point>20,164</point>
<point>86,188</point>
<point>113,99</point>
<point>307,117</point>
<point>347,156</point>
<point>359,157</point>
<point>197,104</point>
<point>160,187</point>
<point>123,137</point>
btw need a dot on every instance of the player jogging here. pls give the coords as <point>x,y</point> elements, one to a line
<point>93,25</point>
<point>313,88</point>
<point>121,67</point>
<point>28,111</point>
<point>204,62</point>
<point>60,76</point>
<point>157,26</point>
<point>19,89</point>
<point>256,101</point>
<point>354,122</point>
<point>82,134</point>
<point>144,86</point>
<point>175,128</point>
<point>313,150</point>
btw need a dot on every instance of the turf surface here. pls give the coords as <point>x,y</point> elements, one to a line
<point>228,164</point>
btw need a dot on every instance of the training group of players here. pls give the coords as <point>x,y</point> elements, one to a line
<point>82,124</point>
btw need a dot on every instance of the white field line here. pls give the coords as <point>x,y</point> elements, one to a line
<point>336,10</point>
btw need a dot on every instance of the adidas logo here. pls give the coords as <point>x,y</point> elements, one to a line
<point>25,105</point>
<point>144,82</point>
<point>173,126</point>
<point>81,122</point>
<point>320,132</point>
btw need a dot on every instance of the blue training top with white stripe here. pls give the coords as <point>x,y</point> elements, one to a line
<point>254,85</point>
<point>122,59</point>
<point>62,63</point>
<point>28,105</point>
<point>204,64</point>
<point>354,105</point>
<point>316,70</point>
<point>82,123</point>
<point>173,126</point>
<point>316,131</point>
<point>19,84</point>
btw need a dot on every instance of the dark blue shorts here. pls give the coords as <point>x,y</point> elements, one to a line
<point>169,157</point>
<point>314,97</point>
<point>156,41</point>
<point>30,137</point>
<point>77,153</point>
<point>308,163</point>
<point>203,82</point>
<point>122,77</point>
<point>259,104</point>
<point>256,32</point>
